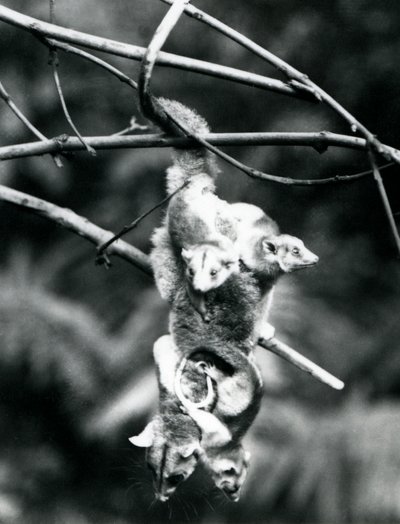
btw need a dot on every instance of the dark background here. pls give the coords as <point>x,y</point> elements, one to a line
<point>76,376</point>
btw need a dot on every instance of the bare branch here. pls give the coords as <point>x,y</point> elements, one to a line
<point>102,63</point>
<point>385,200</point>
<point>284,351</point>
<point>134,126</point>
<point>150,106</point>
<point>296,79</point>
<point>77,224</point>
<point>133,52</point>
<point>11,104</point>
<point>81,226</point>
<point>316,140</point>
<point>54,63</point>
<point>101,249</point>
<point>234,35</point>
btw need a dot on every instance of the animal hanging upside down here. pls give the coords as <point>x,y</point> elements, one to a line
<point>221,397</point>
<point>216,263</point>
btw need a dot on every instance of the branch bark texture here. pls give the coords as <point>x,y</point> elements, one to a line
<point>113,47</point>
<point>77,224</point>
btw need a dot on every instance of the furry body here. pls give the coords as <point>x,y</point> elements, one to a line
<point>200,225</point>
<point>171,438</point>
<point>237,394</point>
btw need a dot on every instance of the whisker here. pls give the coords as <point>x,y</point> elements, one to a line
<point>152,504</point>
<point>209,504</point>
<point>181,500</point>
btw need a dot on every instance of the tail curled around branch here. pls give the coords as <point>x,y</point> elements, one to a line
<point>187,162</point>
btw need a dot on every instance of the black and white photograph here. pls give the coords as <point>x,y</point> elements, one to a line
<point>199,262</point>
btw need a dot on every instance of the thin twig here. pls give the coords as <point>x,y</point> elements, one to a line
<point>385,200</point>
<point>101,258</point>
<point>85,229</point>
<point>11,104</point>
<point>52,4</point>
<point>133,52</point>
<point>84,54</point>
<point>130,129</point>
<point>53,61</point>
<point>54,64</point>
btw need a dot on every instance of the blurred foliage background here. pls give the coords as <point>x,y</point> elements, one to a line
<point>76,376</point>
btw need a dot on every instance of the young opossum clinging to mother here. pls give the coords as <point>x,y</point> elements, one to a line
<point>208,379</point>
<point>203,237</point>
<point>222,412</point>
<point>200,226</point>
<point>224,347</point>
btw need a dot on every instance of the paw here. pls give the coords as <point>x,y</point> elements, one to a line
<point>208,369</point>
<point>211,371</point>
<point>267,331</point>
<point>206,317</point>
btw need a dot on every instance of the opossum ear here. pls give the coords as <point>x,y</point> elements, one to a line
<point>190,449</point>
<point>187,254</point>
<point>145,438</point>
<point>269,246</point>
<point>247,456</point>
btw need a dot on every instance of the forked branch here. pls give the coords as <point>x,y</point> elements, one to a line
<point>19,114</point>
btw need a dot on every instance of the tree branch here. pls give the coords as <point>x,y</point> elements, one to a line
<point>87,56</point>
<point>284,351</point>
<point>102,256</point>
<point>19,114</point>
<point>54,64</point>
<point>297,79</point>
<point>106,45</point>
<point>77,224</point>
<point>234,35</point>
<point>82,227</point>
<point>149,105</point>
<point>316,140</point>
<point>385,200</point>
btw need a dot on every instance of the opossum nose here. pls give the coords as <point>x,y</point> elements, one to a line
<point>232,492</point>
<point>161,498</point>
<point>201,286</point>
<point>312,259</point>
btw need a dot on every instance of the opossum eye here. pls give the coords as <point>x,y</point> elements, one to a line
<point>296,251</point>
<point>191,271</point>
<point>230,471</point>
<point>228,265</point>
<point>213,272</point>
<point>174,480</point>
